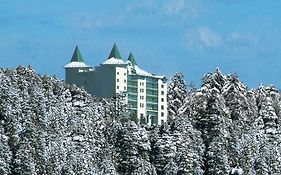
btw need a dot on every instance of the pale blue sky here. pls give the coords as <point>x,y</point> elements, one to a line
<point>166,36</point>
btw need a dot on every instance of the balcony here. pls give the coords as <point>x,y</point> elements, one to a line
<point>152,102</point>
<point>132,97</point>
<point>132,90</point>
<point>151,107</point>
<point>152,87</point>
<point>134,84</point>
<point>152,93</point>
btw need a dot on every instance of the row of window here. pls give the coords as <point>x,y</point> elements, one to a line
<point>142,90</point>
<point>124,74</point>
<point>142,98</point>
<point>142,84</point>
<point>142,106</point>
<point>124,80</point>
<point>117,87</point>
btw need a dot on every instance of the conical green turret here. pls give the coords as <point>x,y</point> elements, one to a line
<point>131,58</point>
<point>114,52</point>
<point>77,57</point>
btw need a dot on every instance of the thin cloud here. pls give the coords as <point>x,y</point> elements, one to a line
<point>239,38</point>
<point>85,21</point>
<point>174,7</point>
<point>182,8</point>
<point>203,37</point>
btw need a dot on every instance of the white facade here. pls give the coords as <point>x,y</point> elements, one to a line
<point>162,102</point>
<point>121,79</point>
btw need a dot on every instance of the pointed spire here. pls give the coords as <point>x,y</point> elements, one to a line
<point>77,57</point>
<point>131,58</point>
<point>114,52</point>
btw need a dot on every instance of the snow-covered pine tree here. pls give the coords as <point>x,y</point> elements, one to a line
<point>213,121</point>
<point>190,147</point>
<point>164,154</point>
<point>51,127</point>
<point>5,152</point>
<point>268,160</point>
<point>177,94</point>
<point>241,117</point>
<point>134,148</point>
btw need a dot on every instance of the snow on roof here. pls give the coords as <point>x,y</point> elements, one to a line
<point>113,60</point>
<point>76,64</point>
<point>139,71</point>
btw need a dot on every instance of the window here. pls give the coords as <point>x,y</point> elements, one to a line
<point>117,73</point>
<point>162,107</point>
<point>141,105</point>
<point>162,99</point>
<point>162,114</point>
<point>117,80</point>
<point>142,97</point>
<point>141,90</point>
<point>124,88</point>
<point>117,87</point>
<point>125,81</point>
<point>125,74</point>
<point>162,85</point>
<point>162,92</point>
<point>162,122</point>
<point>141,83</point>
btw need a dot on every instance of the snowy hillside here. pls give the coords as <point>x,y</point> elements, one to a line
<point>48,127</point>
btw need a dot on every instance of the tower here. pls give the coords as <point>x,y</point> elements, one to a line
<point>73,69</point>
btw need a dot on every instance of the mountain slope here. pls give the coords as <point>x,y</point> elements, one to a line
<point>48,127</point>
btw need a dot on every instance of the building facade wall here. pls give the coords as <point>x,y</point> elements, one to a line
<point>104,81</point>
<point>74,76</point>
<point>152,99</point>
<point>146,95</point>
<point>121,79</point>
<point>162,102</point>
<point>132,93</point>
<point>141,99</point>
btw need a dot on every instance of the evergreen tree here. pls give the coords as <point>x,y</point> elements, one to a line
<point>164,151</point>
<point>5,153</point>
<point>134,147</point>
<point>177,94</point>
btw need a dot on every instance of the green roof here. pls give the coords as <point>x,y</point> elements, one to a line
<point>114,52</point>
<point>77,57</point>
<point>131,58</point>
